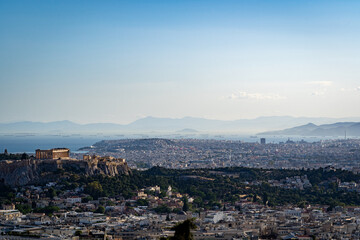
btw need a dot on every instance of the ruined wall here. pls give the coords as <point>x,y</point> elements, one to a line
<point>60,153</point>
<point>43,154</point>
<point>55,153</point>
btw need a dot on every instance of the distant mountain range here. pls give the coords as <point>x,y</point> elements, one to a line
<point>310,129</point>
<point>187,125</point>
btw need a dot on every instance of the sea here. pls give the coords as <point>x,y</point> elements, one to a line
<point>29,143</point>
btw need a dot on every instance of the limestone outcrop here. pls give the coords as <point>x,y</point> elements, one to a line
<point>22,172</point>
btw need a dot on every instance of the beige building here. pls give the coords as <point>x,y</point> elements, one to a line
<point>6,215</point>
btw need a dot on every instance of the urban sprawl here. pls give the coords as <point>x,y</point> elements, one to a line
<point>67,209</point>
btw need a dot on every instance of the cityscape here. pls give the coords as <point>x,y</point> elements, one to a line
<point>179,120</point>
<point>44,196</point>
<point>195,153</point>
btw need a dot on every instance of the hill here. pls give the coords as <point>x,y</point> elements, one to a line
<point>310,129</point>
<point>35,171</point>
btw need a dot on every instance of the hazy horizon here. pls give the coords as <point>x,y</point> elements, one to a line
<point>119,61</point>
<point>186,117</point>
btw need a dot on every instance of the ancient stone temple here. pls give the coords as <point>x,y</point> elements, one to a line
<point>55,153</point>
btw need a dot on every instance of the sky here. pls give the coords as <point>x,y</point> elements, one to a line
<point>118,61</point>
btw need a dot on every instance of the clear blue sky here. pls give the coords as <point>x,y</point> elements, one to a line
<point>117,61</point>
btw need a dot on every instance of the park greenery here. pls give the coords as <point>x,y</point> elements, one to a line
<point>213,187</point>
<point>209,188</point>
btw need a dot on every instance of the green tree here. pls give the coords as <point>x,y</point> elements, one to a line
<point>24,208</point>
<point>162,209</point>
<point>49,210</point>
<point>302,204</point>
<point>183,230</point>
<point>254,199</point>
<point>94,189</point>
<point>24,156</point>
<point>142,202</point>
<point>86,199</point>
<point>265,199</point>
<point>100,209</point>
<point>186,204</point>
<point>51,193</point>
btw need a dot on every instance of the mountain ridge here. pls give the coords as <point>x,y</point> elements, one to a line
<point>335,129</point>
<point>173,125</point>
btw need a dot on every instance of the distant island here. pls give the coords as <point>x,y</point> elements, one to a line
<point>187,130</point>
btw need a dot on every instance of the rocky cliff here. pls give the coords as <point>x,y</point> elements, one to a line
<point>22,172</point>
